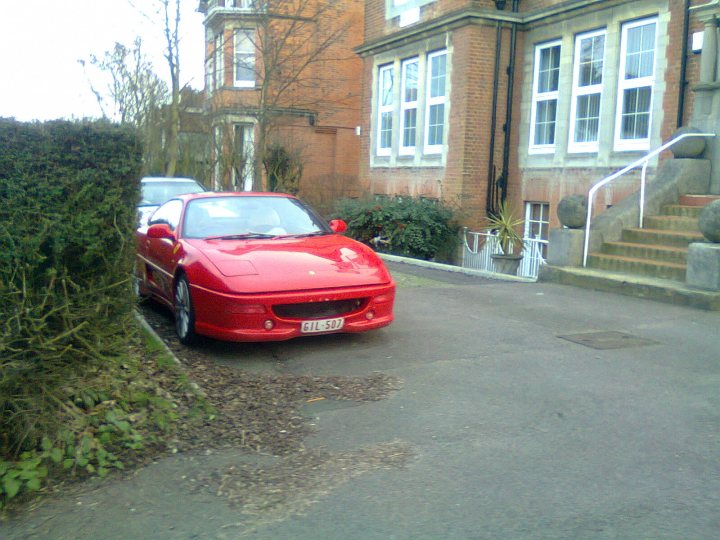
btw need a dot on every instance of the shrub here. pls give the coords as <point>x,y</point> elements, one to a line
<point>417,228</point>
<point>284,169</point>
<point>68,195</point>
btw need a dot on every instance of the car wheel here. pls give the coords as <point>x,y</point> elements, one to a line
<point>184,312</point>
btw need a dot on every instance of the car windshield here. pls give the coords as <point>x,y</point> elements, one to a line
<point>247,217</point>
<point>156,193</point>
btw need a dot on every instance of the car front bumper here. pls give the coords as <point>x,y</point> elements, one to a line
<point>237,317</point>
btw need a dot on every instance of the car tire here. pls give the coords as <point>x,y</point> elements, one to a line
<point>184,312</point>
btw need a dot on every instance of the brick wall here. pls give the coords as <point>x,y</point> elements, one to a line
<point>463,180</point>
<point>325,103</point>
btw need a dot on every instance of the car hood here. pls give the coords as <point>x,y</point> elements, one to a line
<point>320,262</point>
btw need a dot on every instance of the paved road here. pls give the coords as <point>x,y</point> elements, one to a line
<point>512,430</point>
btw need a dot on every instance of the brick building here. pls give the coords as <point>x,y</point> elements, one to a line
<point>283,74</point>
<point>472,101</point>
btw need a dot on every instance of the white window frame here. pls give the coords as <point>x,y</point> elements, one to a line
<point>542,97</point>
<point>638,82</point>
<point>543,223</point>
<point>210,68</point>
<point>408,105</point>
<point>246,133</point>
<point>431,101</point>
<point>247,54</point>
<point>219,61</point>
<point>579,91</point>
<point>385,108</point>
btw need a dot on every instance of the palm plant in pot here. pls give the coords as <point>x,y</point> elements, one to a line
<point>503,224</point>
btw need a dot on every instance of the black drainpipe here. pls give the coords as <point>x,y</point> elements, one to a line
<point>683,64</point>
<point>503,181</point>
<point>491,184</point>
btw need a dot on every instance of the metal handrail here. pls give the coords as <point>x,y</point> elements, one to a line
<point>642,161</point>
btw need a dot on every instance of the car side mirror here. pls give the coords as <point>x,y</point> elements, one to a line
<point>161,230</point>
<point>338,225</point>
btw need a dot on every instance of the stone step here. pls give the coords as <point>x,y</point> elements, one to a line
<point>671,223</point>
<point>698,200</point>
<point>632,265</point>
<point>661,237</point>
<point>659,290</point>
<point>647,251</point>
<point>682,210</point>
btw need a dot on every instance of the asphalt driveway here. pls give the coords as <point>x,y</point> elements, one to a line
<point>526,411</point>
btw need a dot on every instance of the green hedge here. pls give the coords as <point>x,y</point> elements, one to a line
<point>68,193</point>
<point>418,228</point>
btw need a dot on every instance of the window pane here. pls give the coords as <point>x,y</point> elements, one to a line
<point>409,125</point>
<point>545,122</point>
<point>437,76</point>
<point>244,67</point>
<point>591,61</point>
<point>244,56</point>
<point>640,58</point>
<point>436,124</point>
<point>549,69</point>
<point>587,118</point>
<point>386,87</point>
<point>411,82</point>
<point>636,113</point>
<point>386,130</point>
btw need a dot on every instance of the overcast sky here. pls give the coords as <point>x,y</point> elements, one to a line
<point>41,42</point>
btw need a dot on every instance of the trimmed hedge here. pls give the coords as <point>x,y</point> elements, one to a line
<point>418,228</point>
<point>68,195</point>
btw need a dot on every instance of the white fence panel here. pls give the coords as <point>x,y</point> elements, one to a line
<point>479,246</point>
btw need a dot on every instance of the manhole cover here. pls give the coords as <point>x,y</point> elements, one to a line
<point>608,340</point>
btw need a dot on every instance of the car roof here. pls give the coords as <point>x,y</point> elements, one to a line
<point>153,179</point>
<point>216,194</point>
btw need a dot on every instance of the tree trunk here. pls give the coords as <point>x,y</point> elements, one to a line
<point>171,149</point>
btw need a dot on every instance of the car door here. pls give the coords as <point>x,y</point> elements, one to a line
<point>161,253</point>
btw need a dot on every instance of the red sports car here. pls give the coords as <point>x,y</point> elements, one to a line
<point>259,267</point>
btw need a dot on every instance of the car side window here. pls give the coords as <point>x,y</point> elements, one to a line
<point>168,213</point>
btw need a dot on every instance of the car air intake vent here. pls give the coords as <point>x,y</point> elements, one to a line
<point>319,310</point>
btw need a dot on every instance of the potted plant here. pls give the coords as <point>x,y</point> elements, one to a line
<point>503,224</point>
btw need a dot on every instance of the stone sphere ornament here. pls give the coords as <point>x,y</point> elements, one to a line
<point>689,147</point>
<point>709,221</point>
<point>572,211</point>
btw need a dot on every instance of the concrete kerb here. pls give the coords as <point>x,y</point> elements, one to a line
<point>453,268</point>
<point>146,326</point>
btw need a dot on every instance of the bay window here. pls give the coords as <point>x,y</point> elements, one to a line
<point>409,118</point>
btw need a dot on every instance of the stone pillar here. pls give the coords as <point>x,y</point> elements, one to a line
<point>703,270</point>
<point>709,57</point>
<point>706,110</point>
<point>703,263</point>
<point>565,247</point>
